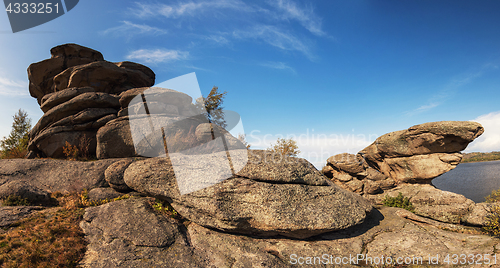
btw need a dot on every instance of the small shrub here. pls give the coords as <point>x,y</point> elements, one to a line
<point>70,151</point>
<point>285,147</point>
<point>399,201</point>
<point>493,221</point>
<point>493,218</point>
<point>85,202</point>
<point>493,197</point>
<point>15,200</point>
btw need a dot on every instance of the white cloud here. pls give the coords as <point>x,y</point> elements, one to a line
<point>490,140</point>
<point>190,8</point>
<point>278,65</point>
<point>128,28</point>
<point>219,39</point>
<point>157,55</point>
<point>275,37</point>
<point>316,148</point>
<point>306,17</point>
<point>10,87</point>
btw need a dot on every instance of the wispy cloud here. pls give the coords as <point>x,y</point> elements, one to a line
<point>219,39</point>
<point>190,8</point>
<point>305,16</point>
<point>490,140</point>
<point>10,87</point>
<point>157,55</point>
<point>278,65</point>
<point>275,37</point>
<point>271,23</point>
<point>128,28</point>
<point>450,89</point>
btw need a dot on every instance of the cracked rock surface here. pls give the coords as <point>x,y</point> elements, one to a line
<point>297,202</point>
<point>128,233</point>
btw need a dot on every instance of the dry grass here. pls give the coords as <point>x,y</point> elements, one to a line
<point>14,153</point>
<point>50,238</point>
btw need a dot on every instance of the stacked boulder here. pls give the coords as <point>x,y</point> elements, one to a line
<point>416,155</point>
<point>98,106</point>
<point>405,162</point>
<point>78,91</point>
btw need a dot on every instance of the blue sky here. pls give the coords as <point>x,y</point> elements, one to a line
<point>333,74</point>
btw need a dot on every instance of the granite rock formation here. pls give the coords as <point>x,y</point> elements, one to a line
<point>296,201</point>
<point>78,91</point>
<point>406,161</point>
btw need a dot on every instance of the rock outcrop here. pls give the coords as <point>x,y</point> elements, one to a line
<point>78,91</point>
<point>421,152</point>
<point>406,161</point>
<point>35,177</point>
<point>286,198</point>
<point>128,233</point>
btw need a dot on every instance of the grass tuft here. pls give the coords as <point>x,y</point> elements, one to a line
<point>399,201</point>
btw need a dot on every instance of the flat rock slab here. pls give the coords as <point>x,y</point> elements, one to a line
<point>272,167</point>
<point>386,232</point>
<point>129,233</point>
<point>56,175</point>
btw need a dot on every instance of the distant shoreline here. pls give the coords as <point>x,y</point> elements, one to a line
<point>480,157</point>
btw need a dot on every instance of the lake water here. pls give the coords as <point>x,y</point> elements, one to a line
<point>473,180</point>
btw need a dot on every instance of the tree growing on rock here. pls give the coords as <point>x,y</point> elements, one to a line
<point>213,105</point>
<point>285,147</point>
<point>16,144</point>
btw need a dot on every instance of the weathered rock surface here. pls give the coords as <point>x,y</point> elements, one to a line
<point>23,189</point>
<point>432,203</point>
<point>115,140</point>
<point>41,74</point>
<point>78,92</point>
<point>416,155</point>
<point>55,175</point>
<point>114,175</point>
<point>267,166</point>
<point>261,206</point>
<point>128,233</point>
<point>108,77</point>
<point>388,232</point>
<point>402,154</point>
<point>103,193</point>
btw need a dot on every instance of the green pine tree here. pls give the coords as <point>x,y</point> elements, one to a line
<point>213,105</point>
<point>16,145</point>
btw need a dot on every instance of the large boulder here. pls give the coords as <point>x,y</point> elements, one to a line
<point>421,152</point>
<point>128,233</point>
<point>115,140</point>
<point>75,118</point>
<point>294,203</point>
<point>73,65</point>
<point>114,175</point>
<point>104,76</point>
<point>40,74</point>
